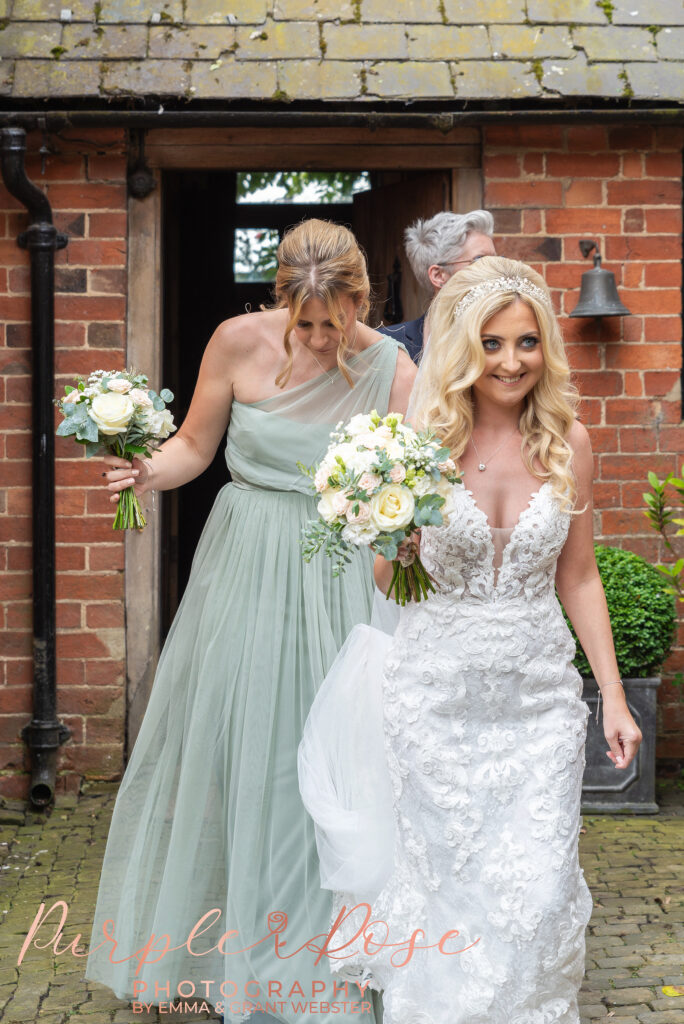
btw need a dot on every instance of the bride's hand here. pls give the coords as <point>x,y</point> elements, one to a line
<point>409,549</point>
<point>121,473</point>
<point>623,735</point>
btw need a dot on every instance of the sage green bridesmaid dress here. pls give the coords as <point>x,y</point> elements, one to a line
<point>208,815</point>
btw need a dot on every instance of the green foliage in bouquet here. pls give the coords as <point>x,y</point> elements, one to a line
<point>642,614</point>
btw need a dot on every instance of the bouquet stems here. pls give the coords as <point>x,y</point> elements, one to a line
<point>410,582</point>
<point>129,513</point>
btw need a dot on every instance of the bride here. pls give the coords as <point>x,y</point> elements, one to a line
<point>443,765</point>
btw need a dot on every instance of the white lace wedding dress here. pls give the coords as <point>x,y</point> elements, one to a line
<point>443,769</point>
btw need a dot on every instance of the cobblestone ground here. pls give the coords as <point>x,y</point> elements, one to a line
<point>635,947</point>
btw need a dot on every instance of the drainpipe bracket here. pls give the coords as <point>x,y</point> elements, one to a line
<point>45,735</point>
<point>42,236</point>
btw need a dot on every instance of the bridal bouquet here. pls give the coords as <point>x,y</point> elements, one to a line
<point>115,412</point>
<point>379,481</point>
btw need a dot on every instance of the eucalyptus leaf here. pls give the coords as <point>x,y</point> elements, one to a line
<point>166,395</point>
<point>158,404</point>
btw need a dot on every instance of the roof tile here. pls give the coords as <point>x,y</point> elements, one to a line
<point>493,78</point>
<point>531,42</point>
<point>316,80</point>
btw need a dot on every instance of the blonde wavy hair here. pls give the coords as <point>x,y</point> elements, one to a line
<point>455,358</point>
<point>318,259</point>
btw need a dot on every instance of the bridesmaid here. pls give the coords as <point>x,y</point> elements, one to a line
<point>208,814</point>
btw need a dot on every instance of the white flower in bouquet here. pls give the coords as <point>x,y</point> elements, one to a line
<point>115,412</point>
<point>392,507</point>
<point>378,482</point>
<point>111,412</point>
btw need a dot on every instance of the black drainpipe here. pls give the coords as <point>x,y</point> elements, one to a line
<point>44,734</point>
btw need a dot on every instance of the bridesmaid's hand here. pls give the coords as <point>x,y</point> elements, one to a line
<point>409,549</point>
<point>622,733</point>
<point>121,473</point>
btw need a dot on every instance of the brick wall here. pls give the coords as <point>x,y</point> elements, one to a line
<point>85,183</point>
<point>548,187</point>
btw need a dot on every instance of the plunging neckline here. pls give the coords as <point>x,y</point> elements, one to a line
<point>495,574</point>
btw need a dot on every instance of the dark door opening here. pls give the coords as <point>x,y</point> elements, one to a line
<point>217,252</point>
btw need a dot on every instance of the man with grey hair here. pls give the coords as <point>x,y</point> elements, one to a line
<point>438,248</point>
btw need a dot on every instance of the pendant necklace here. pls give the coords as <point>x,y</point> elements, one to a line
<point>331,380</point>
<point>482,465</point>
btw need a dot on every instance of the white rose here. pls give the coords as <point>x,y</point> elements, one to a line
<point>141,398</point>
<point>392,507</point>
<point>325,506</point>
<point>120,385</point>
<point>384,432</point>
<point>111,412</point>
<point>446,491</point>
<point>397,473</point>
<point>362,516</point>
<point>158,423</point>
<point>361,534</point>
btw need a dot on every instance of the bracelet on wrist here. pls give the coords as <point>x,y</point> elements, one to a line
<point>613,682</point>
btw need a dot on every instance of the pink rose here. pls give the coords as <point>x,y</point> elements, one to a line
<point>321,478</point>
<point>369,481</point>
<point>362,516</point>
<point>341,504</point>
<point>448,466</point>
<point>71,398</point>
<point>141,398</point>
<point>120,385</point>
<point>397,474</point>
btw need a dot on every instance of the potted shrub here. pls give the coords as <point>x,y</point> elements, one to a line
<point>642,616</point>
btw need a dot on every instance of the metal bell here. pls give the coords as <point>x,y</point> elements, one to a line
<point>598,291</point>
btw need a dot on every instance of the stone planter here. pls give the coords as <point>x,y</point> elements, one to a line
<point>604,788</point>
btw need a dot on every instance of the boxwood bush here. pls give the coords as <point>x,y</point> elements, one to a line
<point>642,615</point>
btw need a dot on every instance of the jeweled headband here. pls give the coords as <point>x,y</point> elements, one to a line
<point>501,284</point>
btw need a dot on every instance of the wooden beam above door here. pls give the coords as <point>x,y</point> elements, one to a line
<point>306,149</point>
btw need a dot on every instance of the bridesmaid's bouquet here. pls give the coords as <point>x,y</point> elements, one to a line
<point>115,412</point>
<point>379,481</point>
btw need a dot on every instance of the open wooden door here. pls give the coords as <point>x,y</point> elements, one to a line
<point>380,218</point>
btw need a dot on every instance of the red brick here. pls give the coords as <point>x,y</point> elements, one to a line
<point>16,644</point>
<point>672,439</point>
<point>524,136</point>
<point>629,411</point>
<point>501,165</point>
<point>591,411</point>
<point>663,275</point>
<point>664,355</point>
<point>79,587</point>
<point>633,221</point>
<point>82,700</point>
<point>631,137</point>
<point>19,279</point>
<point>583,356</point>
<point>663,165</point>
<point>531,223</point>
<point>533,163</point>
<point>100,762</point>
<point>69,502</point>
<point>20,615</point>
<point>586,138</point>
<point>70,557</point>
<point>586,222</point>
<point>87,196</point>
<point>69,335</point>
<point>15,787</point>
<point>106,168</point>
<point>584,192</point>
<point>19,557</point>
<point>666,222</point>
<point>655,301</point>
<point>567,165</point>
<point>103,616</point>
<point>633,165</point>
<point>524,193</point>
<point>653,192</point>
<point>107,225</point>
<point>112,281</point>
<point>635,467</point>
<point>662,329</point>
<point>606,495</point>
<point>55,168</point>
<point>68,615</point>
<point>104,730</point>
<point>85,361</point>
<point>80,645</point>
<point>106,556</point>
<point>660,383</point>
<point>16,586</point>
<point>78,472</point>
<point>70,671</point>
<point>600,382</point>
<point>638,439</point>
<point>107,673</point>
<point>603,439</point>
<point>620,521</point>
<point>16,700</point>
<point>93,529</point>
<point>15,307</point>
<point>97,253</point>
<point>89,307</point>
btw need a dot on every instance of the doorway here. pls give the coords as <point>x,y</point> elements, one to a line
<point>220,233</point>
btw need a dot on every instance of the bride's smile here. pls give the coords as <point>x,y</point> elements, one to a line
<point>514,356</point>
